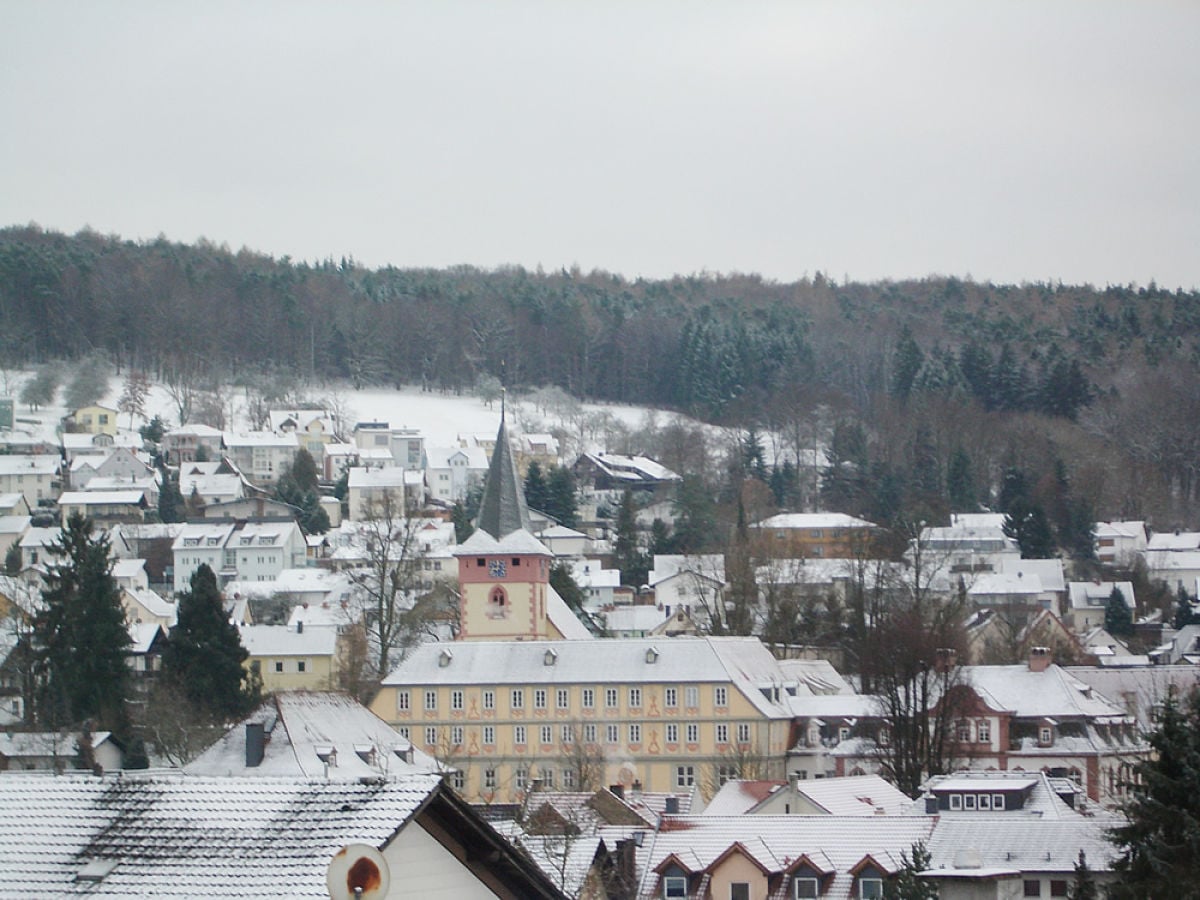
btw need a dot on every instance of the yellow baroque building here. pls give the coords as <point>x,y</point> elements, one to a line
<point>669,714</point>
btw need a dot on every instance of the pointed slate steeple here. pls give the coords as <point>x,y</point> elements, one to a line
<point>503,509</point>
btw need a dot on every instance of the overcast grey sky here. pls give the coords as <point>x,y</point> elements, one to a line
<point>1012,141</point>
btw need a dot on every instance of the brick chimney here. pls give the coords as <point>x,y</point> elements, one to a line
<point>1040,659</point>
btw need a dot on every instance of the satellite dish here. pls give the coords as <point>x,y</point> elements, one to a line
<point>357,870</point>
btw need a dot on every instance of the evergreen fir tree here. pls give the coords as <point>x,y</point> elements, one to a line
<point>1084,887</point>
<point>960,483</point>
<point>627,553</point>
<point>204,655</point>
<point>906,364</point>
<point>170,501</point>
<point>1029,526</point>
<point>1118,620</point>
<point>1184,615</point>
<point>12,560</point>
<point>80,635</point>
<point>906,885</point>
<point>535,487</point>
<point>561,499</point>
<point>463,528</point>
<point>1159,843</point>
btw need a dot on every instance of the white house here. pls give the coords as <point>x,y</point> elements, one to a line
<point>1088,602</point>
<point>371,489</point>
<point>1119,543</point>
<point>452,471</point>
<point>34,477</point>
<point>262,456</point>
<point>184,443</point>
<point>694,583</point>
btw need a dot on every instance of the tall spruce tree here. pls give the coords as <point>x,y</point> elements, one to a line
<point>80,635</point>
<point>1118,620</point>
<point>204,655</point>
<point>627,552</point>
<point>1084,886</point>
<point>535,487</point>
<point>1159,843</point>
<point>560,496</point>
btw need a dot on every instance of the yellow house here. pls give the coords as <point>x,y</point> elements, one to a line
<point>95,420</point>
<point>290,657</point>
<point>668,714</point>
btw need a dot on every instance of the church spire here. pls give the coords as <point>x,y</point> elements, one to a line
<point>502,509</point>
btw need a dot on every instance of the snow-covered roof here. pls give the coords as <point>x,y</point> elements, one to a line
<point>280,640</point>
<point>14,524</point>
<point>631,468</point>
<point>1084,594</point>
<point>148,482</point>
<point>260,439</point>
<point>128,568</point>
<point>10,500</point>
<point>29,465</point>
<point>813,520</point>
<point>1048,571</point>
<point>1134,530</point>
<point>142,635</point>
<point>1005,583</point>
<point>837,844</point>
<point>739,796</point>
<point>385,477</point>
<point>591,573</point>
<point>625,619</point>
<point>153,602</point>
<point>298,418</point>
<point>816,676</point>
<point>439,457</point>
<point>204,533</point>
<point>1052,692</point>
<point>480,543</point>
<point>102,498</point>
<point>564,619</point>
<point>191,836</point>
<point>707,565</point>
<point>742,662</point>
<point>195,429</point>
<point>306,729</point>
<point>1174,540</point>
<point>18,744</point>
<point>1022,844</point>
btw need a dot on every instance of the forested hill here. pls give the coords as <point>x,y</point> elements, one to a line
<point>1049,377</point>
<point>694,343</point>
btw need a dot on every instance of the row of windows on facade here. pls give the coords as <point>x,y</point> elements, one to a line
<point>562,698</point>
<point>804,887</point>
<point>229,558</point>
<point>278,665</point>
<point>588,733</point>
<point>685,777</point>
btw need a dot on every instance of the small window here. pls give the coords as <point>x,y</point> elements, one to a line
<point>458,779</point>
<point>671,697</point>
<point>1058,888</point>
<point>279,665</point>
<point>489,735</point>
<point>589,698</point>
<point>721,696</point>
<point>997,801</point>
<point>539,698</point>
<point>301,665</point>
<point>610,698</point>
<point>402,701</point>
<point>519,734</point>
<point>518,698</point>
<point>985,801</point>
<point>685,776</point>
<point>635,734</point>
<point>722,733</point>
<point>547,734</point>
<point>691,697</point>
<point>672,733</point>
<point>1033,887</point>
<point>456,699</point>
<point>804,888</point>
<point>674,886</point>
<point>693,733</point>
<point>739,890</point>
<point>743,732</point>
<point>612,734</point>
<point>870,888</point>
<point>563,698</point>
<point>983,731</point>
<point>968,801</point>
<point>431,736</point>
<point>589,733</point>
<point>431,700</point>
<point>1045,735</point>
<point>956,801</point>
<point>489,778</point>
<point>635,697</point>
<point>456,736</point>
<point>489,699</point>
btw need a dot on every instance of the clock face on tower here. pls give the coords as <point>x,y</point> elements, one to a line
<point>497,568</point>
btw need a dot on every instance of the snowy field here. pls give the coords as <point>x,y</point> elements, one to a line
<point>441,418</point>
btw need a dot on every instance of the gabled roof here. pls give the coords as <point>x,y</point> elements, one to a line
<point>302,729</point>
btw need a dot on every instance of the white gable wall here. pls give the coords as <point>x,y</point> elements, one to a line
<point>421,867</point>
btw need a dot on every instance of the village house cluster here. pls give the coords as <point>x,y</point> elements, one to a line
<point>621,748</point>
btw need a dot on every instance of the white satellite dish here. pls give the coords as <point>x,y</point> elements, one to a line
<point>358,870</point>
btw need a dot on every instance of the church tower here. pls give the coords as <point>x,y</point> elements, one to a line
<point>503,570</point>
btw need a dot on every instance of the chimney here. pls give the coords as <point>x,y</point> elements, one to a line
<point>255,744</point>
<point>672,807</point>
<point>944,659</point>
<point>1040,659</point>
<point>636,790</point>
<point>299,626</point>
<point>617,791</point>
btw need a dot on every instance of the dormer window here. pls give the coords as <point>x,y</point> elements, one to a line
<point>805,887</point>
<point>1046,735</point>
<point>674,886</point>
<point>870,888</point>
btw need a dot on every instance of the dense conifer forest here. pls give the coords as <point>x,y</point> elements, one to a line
<point>933,392</point>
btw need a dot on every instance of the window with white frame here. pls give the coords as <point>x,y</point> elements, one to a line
<point>489,699</point>
<point>691,696</point>
<point>635,697</point>
<point>430,700</point>
<point>672,733</point>
<point>517,698</point>
<point>456,700</point>
<point>685,776</point>
<point>456,735</point>
<point>539,698</point>
<point>870,888</point>
<point>431,737</point>
<point>521,778</point>
<point>547,777</point>
<point>610,698</point>
<point>693,733</point>
<point>743,732</point>
<point>569,779</point>
<point>458,779</point>
<point>997,801</point>
<point>674,886</point>
<point>567,734</point>
<point>403,701</point>
<point>547,734</point>
<point>563,698</point>
<point>804,887</point>
<point>1046,735</point>
<point>518,734</point>
<point>671,697</point>
<point>720,696</point>
<point>635,733</point>
<point>956,801</point>
<point>722,733</point>
<point>589,733</point>
<point>489,735</point>
<point>589,698</point>
<point>489,778</point>
<point>983,731</point>
<point>612,734</point>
